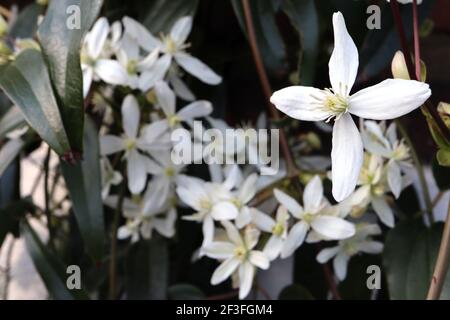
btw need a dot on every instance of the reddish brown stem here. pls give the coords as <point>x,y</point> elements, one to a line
<point>416,40</point>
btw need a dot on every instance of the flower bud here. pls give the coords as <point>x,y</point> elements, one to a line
<point>42,2</point>
<point>444,111</point>
<point>400,70</point>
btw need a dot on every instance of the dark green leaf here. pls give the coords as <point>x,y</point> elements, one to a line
<point>185,291</point>
<point>295,292</point>
<point>61,43</point>
<point>84,183</point>
<point>27,84</point>
<point>147,269</point>
<point>160,15</point>
<point>303,16</point>
<point>49,267</point>
<point>409,258</point>
<point>11,120</point>
<point>268,36</point>
<point>27,22</point>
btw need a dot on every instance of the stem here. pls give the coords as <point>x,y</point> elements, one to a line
<point>291,167</point>
<point>8,270</point>
<point>437,199</point>
<point>113,259</point>
<point>48,213</point>
<point>330,280</point>
<point>419,168</point>
<point>445,132</point>
<point>442,262</point>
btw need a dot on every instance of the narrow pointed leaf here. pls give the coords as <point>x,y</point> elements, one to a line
<point>11,120</point>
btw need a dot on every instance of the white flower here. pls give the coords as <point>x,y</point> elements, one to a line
<point>360,242</point>
<point>241,197</point>
<point>132,144</point>
<point>238,254</point>
<point>211,201</point>
<point>372,191</point>
<point>110,177</point>
<point>407,1</point>
<point>94,64</point>
<point>167,102</point>
<point>278,229</point>
<point>386,144</point>
<point>173,48</point>
<point>389,99</point>
<point>311,215</point>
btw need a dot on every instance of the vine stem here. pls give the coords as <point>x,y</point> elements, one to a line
<point>275,115</point>
<point>414,73</point>
<point>292,169</point>
<point>442,262</point>
<point>419,168</point>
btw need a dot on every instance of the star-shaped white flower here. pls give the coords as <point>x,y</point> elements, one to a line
<point>312,216</point>
<point>389,99</point>
<point>238,254</point>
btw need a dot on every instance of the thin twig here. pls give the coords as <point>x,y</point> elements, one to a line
<point>442,262</point>
<point>416,40</point>
<point>437,198</point>
<point>275,115</point>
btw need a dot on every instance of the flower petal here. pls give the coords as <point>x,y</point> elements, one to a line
<point>326,254</point>
<point>195,109</point>
<point>224,270</point>
<point>137,172</point>
<point>383,211</point>
<point>197,68</point>
<point>219,250</point>
<point>181,89</point>
<point>246,274</point>
<point>224,210</point>
<point>394,176</point>
<point>233,233</point>
<point>88,74</point>
<point>371,247</point>
<point>346,157</point>
<point>131,116</point>
<point>166,98</point>
<point>389,99</point>
<point>244,217</point>
<point>294,239</point>
<point>181,29</point>
<point>300,103</point>
<point>344,61</point>
<point>333,227</point>
<point>273,247</point>
<point>96,38</point>
<point>110,144</point>
<point>156,73</point>
<point>262,221</point>
<point>290,203</point>
<point>248,188</point>
<point>139,33</point>
<point>340,263</point>
<point>259,259</point>
<point>313,194</point>
<point>112,72</point>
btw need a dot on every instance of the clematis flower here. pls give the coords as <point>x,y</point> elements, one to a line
<point>132,144</point>
<point>389,99</point>
<point>237,254</point>
<point>110,177</point>
<point>167,102</point>
<point>361,242</point>
<point>241,197</point>
<point>94,64</point>
<point>311,216</point>
<point>173,48</point>
<point>278,228</point>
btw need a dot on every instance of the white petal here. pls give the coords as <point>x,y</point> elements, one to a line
<point>333,227</point>
<point>248,188</point>
<point>149,60</point>
<point>131,116</point>
<point>166,98</point>
<point>273,247</point>
<point>389,99</point>
<point>262,221</point>
<point>181,89</point>
<point>258,259</point>
<point>156,73</point>
<point>219,250</point>
<point>123,232</point>
<point>154,130</point>
<point>300,103</point>
<point>181,29</point>
<point>340,265</point>
<point>294,239</point>
<point>244,217</point>
<point>196,109</point>
<point>224,211</point>
<point>313,194</point>
<point>97,37</point>
<point>112,72</point>
<point>383,211</point>
<point>344,61</point>
<point>290,203</point>
<point>372,247</point>
<point>88,74</point>
<point>138,32</point>
<point>246,274</point>
<point>137,173</point>
<point>208,230</point>
<point>346,157</point>
<point>394,176</point>
<point>197,68</point>
<point>110,144</point>
<point>326,254</point>
<point>233,233</point>
<point>224,270</point>
<point>166,226</point>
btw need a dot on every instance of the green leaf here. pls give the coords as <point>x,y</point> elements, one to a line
<point>409,257</point>
<point>303,16</point>
<point>27,22</point>
<point>160,15</point>
<point>11,120</point>
<point>268,36</point>
<point>9,152</point>
<point>27,84</point>
<point>49,266</point>
<point>147,269</point>
<point>84,183</point>
<point>61,40</point>
<point>295,292</point>
<point>183,291</point>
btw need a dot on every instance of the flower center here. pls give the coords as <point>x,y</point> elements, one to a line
<point>236,202</point>
<point>87,60</point>
<point>173,120</point>
<point>205,204</point>
<point>170,172</point>
<point>308,217</point>
<point>171,46</point>
<point>401,151</point>
<point>278,229</point>
<point>132,67</point>
<point>130,144</point>
<point>332,102</point>
<point>240,252</point>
